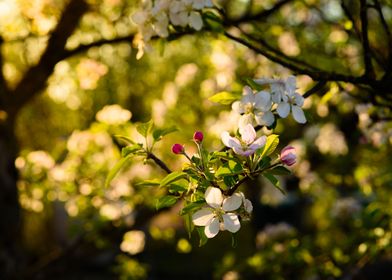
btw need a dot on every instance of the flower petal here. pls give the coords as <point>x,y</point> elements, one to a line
<point>248,134</point>
<point>229,141</point>
<point>214,197</point>
<point>243,152</point>
<point>298,114</point>
<point>291,84</point>
<point>266,118</point>
<point>283,109</point>
<point>263,101</point>
<point>248,206</point>
<point>232,203</point>
<point>195,20</point>
<point>299,99</point>
<point>245,120</point>
<point>212,229</point>
<point>231,222</point>
<point>238,107</point>
<point>203,217</point>
<point>260,142</point>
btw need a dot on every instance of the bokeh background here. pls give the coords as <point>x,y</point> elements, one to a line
<point>61,109</point>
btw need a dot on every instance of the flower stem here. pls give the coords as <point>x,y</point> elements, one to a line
<point>159,162</point>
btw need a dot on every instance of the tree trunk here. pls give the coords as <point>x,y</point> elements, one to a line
<point>9,205</point>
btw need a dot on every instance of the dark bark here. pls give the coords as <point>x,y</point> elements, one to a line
<point>9,206</point>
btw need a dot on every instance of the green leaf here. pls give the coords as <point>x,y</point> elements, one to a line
<point>133,149</point>
<point>279,170</point>
<point>179,186</point>
<point>233,241</point>
<point>229,168</point>
<point>265,162</point>
<point>270,145</point>
<point>191,207</point>
<point>172,177</point>
<point>189,226</point>
<point>166,201</point>
<point>253,84</point>
<point>113,172</point>
<point>145,128</point>
<point>274,181</point>
<point>125,139</point>
<point>224,97</point>
<point>148,183</point>
<point>202,235</point>
<point>157,134</point>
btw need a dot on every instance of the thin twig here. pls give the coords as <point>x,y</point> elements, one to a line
<point>369,71</point>
<point>159,162</point>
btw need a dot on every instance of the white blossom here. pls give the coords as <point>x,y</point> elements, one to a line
<point>218,215</point>
<point>248,144</point>
<point>255,108</point>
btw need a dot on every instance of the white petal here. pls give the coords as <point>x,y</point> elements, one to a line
<point>260,142</point>
<point>229,141</point>
<point>231,222</point>
<point>238,107</point>
<point>298,114</point>
<point>266,118</point>
<point>283,109</point>
<point>248,134</point>
<point>263,101</point>
<point>299,100</point>
<point>248,206</point>
<point>203,217</point>
<point>245,120</point>
<point>212,229</point>
<point>214,197</point>
<point>195,20</point>
<point>232,203</point>
<point>291,84</point>
<point>243,152</point>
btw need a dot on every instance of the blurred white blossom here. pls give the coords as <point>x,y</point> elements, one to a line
<point>346,207</point>
<point>133,242</point>
<point>113,115</point>
<point>273,233</point>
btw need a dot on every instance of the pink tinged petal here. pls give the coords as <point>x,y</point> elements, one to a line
<point>238,107</point>
<point>195,20</point>
<point>212,229</point>
<point>283,109</point>
<point>203,217</point>
<point>248,134</point>
<point>248,206</point>
<point>246,91</point>
<point>229,141</point>
<point>260,142</point>
<point>263,101</point>
<point>231,222</point>
<point>232,203</point>
<point>214,197</point>
<point>287,155</point>
<point>298,114</point>
<point>287,150</point>
<point>244,153</point>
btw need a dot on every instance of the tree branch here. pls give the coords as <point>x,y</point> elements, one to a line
<point>34,80</point>
<point>369,71</point>
<point>159,162</point>
<point>318,75</point>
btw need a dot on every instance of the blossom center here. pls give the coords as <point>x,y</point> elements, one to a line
<point>248,108</point>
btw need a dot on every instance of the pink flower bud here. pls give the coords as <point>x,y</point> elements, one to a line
<point>177,149</point>
<point>198,136</point>
<point>288,156</point>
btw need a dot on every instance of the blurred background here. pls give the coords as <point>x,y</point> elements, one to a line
<point>70,81</point>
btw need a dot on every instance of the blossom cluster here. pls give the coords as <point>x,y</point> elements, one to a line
<point>156,17</point>
<point>258,107</point>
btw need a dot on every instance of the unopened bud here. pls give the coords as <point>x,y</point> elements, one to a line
<point>287,155</point>
<point>198,136</point>
<point>177,149</point>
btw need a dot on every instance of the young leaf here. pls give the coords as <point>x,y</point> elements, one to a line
<point>224,97</point>
<point>270,145</point>
<point>279,170</point>
<point>148,183</point>
<point>125,139</point>
<point>113,172</point>
<point>189,226</point>
<point>253,84</point>
<point>274,181</point>
<point>133,149</point>
<point>172,177</point>
<point>202,235</point>
<point>157,134</point>
<point>145,128</point>
<point>166,201</point>
<point>191,207</point>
